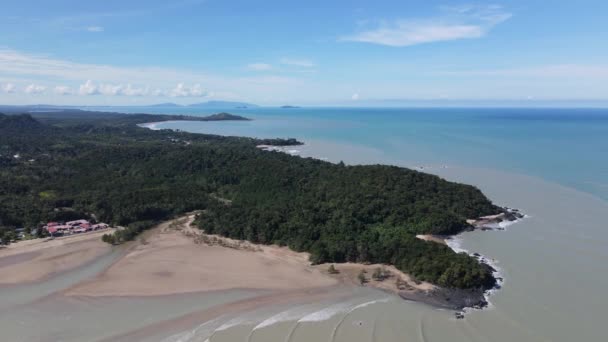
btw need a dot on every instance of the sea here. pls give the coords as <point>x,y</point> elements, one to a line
<point>550,163</point>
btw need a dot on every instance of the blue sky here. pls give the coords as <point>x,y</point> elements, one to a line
<point>305,52</point>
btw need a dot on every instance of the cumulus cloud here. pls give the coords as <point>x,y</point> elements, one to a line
<point>259,66</point>
<point>95,29</point>
<point>35,89</point>
<point>158,92</point>
<point>88,88</point>
<point>182,90</point>
<point>135,91</point>
<point>28,68</point>
<point>8,88</point>
<point>63,90</point>
<point>303,63</point>
<point>110,89</point>
<point>453,23</point>
<point>91,88</point>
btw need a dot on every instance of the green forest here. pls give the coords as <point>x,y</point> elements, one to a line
<point>105,167</point>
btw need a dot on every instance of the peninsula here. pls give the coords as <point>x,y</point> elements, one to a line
<point>102,166</point>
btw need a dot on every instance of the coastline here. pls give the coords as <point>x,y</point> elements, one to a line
<point>458,300</point>
<point>177,258</point>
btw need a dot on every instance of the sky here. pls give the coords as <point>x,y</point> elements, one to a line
<point>302,52</point>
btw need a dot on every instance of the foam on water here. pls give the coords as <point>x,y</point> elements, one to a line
<point>241,320</point>
<point>455,243</point>
<point>326,313</point>
<point>333,310</point>
<point>285,316</point>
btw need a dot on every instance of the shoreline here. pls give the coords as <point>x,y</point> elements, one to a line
<point>38,260</point>
<point>143,264</point>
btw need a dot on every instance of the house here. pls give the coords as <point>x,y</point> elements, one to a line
<point>77,223</point>
<point>99,226</point>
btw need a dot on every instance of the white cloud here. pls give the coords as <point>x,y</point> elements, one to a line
<point>8,88</point>
<point>88,89</point>
<point>134,91</point>
<point>464,22</point>
<point>63,90</point>
<point>259,66</point>
<point>182,90</point>
<point>355,97</point>
<point>22,68</point>
<point>35,89</point>
<point>303,63</point>
<point>158,92</point>
<point>91,88</point>
<point>95,29</point>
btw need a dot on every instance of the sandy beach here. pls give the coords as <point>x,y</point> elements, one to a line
<point>173,258</point>
<point>36,260</point>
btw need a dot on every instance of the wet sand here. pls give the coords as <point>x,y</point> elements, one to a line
<point>36,260</point>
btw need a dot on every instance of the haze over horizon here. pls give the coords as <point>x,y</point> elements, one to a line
<point>350,53</point>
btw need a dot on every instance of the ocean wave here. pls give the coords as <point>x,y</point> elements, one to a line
<point>285,316</point>
<point>326,313</point>
<point>241,320</point>
<point>336,309</point>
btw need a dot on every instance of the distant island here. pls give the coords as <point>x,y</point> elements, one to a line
<point>287,106</point>
<point>73,164</point>
<point>223,116</point>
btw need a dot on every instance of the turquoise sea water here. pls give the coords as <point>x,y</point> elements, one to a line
<point>567,146</point>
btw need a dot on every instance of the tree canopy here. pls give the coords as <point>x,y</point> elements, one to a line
<point>109,169</point>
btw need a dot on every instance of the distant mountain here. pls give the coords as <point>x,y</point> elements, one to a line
<point>289,107</point>
<point>223,104</point>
